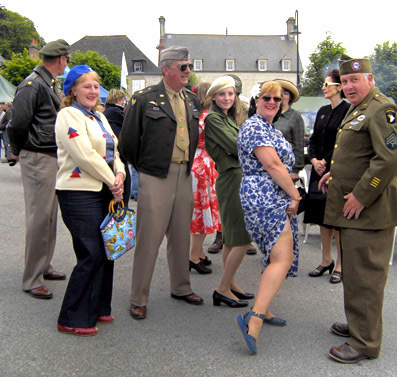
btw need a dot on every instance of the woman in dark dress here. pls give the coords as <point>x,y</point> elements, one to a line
<point>321,147</point>
<point>114,113</point>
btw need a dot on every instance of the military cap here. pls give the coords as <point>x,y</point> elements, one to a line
<point>239,84</point>
<point>175,53</point>
<point>55,48</point>
<point>349,65</point>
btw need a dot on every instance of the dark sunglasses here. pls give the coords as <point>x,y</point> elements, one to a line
<point>67,58</point>
<point>268,98</point>
<point>183,67</point>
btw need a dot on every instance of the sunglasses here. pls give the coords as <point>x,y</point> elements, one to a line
<point>67,57</point>
<point>327,84</point>
<point>183,67</point>
<point>268,98</point>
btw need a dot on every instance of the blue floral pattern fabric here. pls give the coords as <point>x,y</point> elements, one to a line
<point>264,202</point>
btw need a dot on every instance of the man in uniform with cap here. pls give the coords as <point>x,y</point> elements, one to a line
<point>362,202</point>
<point>159,138</point>
<point>32,139</point>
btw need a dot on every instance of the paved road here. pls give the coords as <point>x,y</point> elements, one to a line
<point>176,339</point>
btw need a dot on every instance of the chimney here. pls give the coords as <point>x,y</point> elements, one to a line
<point>33,50</point>
<point>162,37</point>
<point>290,28</point>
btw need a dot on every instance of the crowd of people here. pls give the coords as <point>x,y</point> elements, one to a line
<point>207,164</point>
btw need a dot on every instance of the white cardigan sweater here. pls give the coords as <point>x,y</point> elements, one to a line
<point>81,152</point>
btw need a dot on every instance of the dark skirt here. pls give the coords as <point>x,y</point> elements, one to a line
<point>315,202</point>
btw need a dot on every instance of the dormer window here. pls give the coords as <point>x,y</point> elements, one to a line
<point>198,64</point>
<point>286,64</point>
<point>138,66</point>
<point>262,65</point>
<point>230,65</point>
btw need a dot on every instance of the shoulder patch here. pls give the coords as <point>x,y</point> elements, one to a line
<point>76,173</point>
<point>133,101</point>
<point>390,116</point>
<point>72,133</point>
<point>391,141</point>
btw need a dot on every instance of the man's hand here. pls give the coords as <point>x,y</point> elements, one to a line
<point>15,157</point>
<point>324,182</point>
<point>352,207</point>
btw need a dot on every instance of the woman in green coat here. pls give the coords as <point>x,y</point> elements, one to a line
<point>221,134</point>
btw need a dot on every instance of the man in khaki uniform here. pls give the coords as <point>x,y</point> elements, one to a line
<point>362,201</point>
<point>159,138</point>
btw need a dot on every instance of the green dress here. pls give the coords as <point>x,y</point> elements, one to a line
<point>221,144</point>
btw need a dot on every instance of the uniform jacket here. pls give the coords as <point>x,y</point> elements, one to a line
<point>292,126</point>
<point>364,162</point>
<point>149,129</point>
<point>35,109</point>
<point>81,152</point>
<point>221,141</point>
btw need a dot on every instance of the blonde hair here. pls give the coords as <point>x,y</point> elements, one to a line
<point>270,87</point>
<point>70,98</point>
<point>114,96</point>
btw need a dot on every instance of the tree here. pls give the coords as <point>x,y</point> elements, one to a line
<point>384,68</point>
<point>323,61</point>
<point>193,79</point>
<point>20,66</point>
<point>16,33</point>
<point>108,72</point>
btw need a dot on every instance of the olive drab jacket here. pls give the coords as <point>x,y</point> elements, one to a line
<point>364,162</point>
<point>149,130</point>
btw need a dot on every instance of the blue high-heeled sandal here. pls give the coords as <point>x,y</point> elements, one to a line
<point>242,322</point>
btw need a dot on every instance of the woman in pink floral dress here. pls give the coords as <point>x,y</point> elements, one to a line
<point>206,218</point>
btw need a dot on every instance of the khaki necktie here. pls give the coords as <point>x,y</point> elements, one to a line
<point>182,137</point>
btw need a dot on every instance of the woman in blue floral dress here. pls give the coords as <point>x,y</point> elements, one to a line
<point>270,201</point>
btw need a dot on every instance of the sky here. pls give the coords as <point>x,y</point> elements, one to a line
<point>358,27</point>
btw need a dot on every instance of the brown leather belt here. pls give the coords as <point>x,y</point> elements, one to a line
<point>180,162</point>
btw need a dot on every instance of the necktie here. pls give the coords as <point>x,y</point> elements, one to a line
<point>182,137</point>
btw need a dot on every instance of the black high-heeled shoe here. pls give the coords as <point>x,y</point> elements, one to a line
<point>243,296</point>
<point>199,267</point>
<point>218,298</point>
<point>206,261</point>
<point>319,270</point>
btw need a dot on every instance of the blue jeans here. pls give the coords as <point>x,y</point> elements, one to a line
<point>134,182</point>
<point>89,292</point>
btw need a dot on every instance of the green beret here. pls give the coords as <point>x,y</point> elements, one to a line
<point>175,53</point>
<point>237,80</point>
<point>56,48</point>
<point>349,65</point>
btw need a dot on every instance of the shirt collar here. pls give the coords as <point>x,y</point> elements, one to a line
<point>85,111</point>
<point>171,92</point>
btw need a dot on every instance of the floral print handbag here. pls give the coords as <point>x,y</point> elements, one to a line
<point>118,230</point>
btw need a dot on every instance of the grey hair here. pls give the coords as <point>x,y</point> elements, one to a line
<point>166,63</point>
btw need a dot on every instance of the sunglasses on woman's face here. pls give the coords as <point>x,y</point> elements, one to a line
<point>327,84</point>
<point>183,67</point>
<point>268,98</point>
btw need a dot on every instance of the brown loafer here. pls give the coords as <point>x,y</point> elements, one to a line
<point>346,354</point>
<point>341,329</point>
<point>80,331</point>
<point>138,312</point>
<point>190,299</point>
<point>40,292</point>
<point>54,275</point>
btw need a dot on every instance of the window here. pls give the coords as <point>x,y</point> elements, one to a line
<point>198,65</point>
<point>286,65</point>
<point>138,67</point>
<point>137,85</point>
<point>230,65</point>
<point>262,65</point>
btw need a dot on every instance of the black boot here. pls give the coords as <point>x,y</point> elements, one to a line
<point>217,245</point>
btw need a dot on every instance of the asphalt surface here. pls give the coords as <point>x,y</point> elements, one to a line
<point>176,339</point>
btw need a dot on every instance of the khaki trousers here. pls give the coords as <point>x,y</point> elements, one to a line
<point>165,208</point>
<point>365,265</point>
<point>41,207</point>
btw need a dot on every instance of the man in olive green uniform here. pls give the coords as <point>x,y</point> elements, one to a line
<point>362,202</point>
<point>159,138</point>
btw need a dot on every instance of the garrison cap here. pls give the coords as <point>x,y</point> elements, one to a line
<point>349,65</point>
<point>175,53</point>
<point>55,48</point>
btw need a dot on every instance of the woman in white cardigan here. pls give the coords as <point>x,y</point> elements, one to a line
<point>90,175</point>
